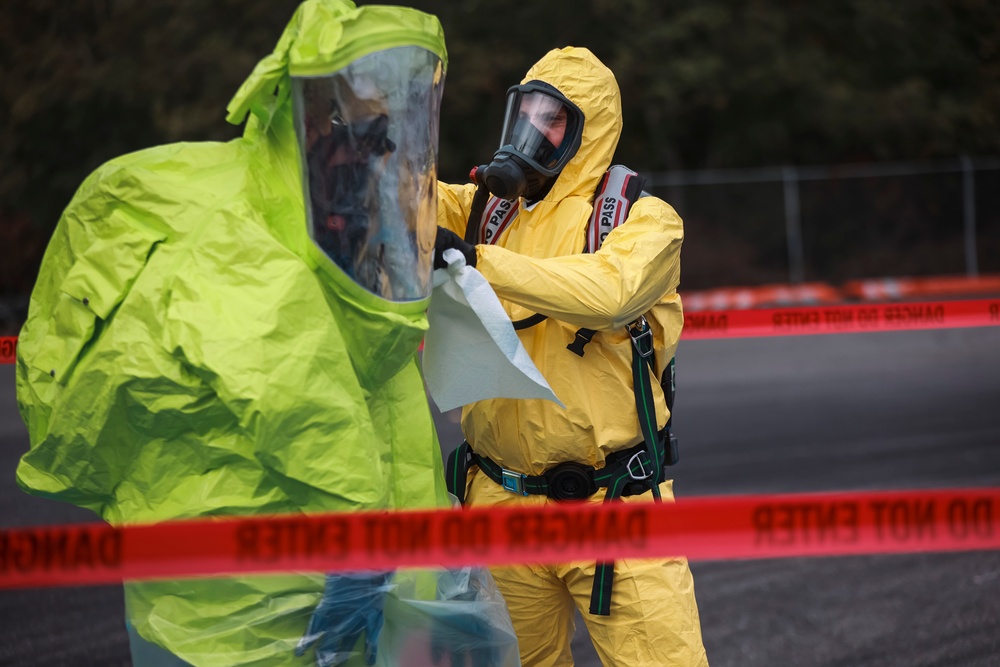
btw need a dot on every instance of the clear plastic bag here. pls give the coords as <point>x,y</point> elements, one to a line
<point>465,624</point>
<point>411,618</point>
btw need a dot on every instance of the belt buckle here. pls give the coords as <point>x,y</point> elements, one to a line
<point>637,331</point>
<point>513,481</point>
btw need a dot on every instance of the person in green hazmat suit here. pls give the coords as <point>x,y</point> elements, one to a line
<point>225,329</point>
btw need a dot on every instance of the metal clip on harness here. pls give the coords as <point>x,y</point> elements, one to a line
<point>641,335</point>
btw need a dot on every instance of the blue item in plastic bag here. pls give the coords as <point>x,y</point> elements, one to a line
<point>351,607</point>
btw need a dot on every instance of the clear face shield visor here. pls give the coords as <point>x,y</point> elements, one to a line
<point>541,126</point>
<point>368,137</point>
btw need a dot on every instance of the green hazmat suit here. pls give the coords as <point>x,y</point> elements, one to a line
<point>190,352</point>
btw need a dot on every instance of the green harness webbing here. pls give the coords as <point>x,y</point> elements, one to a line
<point>642,362</point>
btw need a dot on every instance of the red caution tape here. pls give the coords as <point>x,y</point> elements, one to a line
<point>802,320</point>
<point>841,319</point>
<point>710,528</point>
<point>8,349</point>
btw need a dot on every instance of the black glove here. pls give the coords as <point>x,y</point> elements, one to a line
<point>449,239</point>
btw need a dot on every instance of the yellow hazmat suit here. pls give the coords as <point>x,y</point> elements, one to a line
<point>537,267</point>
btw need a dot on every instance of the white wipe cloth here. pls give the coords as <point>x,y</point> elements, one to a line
<point>471,351</point>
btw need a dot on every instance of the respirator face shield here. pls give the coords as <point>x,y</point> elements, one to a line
<point>541,134</point>
<point>368,137</point>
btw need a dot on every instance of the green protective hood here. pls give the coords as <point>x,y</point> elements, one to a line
<point>323,37</point>
<point>189,352</point>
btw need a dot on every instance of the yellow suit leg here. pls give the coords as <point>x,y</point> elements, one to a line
<point>654,616</point>
<point>541,610</point>
<point>540,605</point>
<point>654,619</point>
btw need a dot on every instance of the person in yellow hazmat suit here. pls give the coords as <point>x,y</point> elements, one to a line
<point>225,329</point>
<point>560,132</point>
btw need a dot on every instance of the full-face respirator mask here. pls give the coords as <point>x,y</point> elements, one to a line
<point>541,134</point>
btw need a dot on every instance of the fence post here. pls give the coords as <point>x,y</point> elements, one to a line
<point>969,213</point>
<point>793,226</point>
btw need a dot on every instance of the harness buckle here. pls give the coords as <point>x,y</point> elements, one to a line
<point>640,333</point>
<point>635,457</point>
<point>513,481</point>
<point>582,337</point>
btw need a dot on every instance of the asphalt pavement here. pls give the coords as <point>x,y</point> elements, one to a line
<point>904,410</point>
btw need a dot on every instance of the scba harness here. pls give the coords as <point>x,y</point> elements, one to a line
<point>627,472</point>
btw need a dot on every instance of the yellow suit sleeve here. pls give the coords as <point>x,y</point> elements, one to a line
<point>638,264</point>
<point>454,204</point>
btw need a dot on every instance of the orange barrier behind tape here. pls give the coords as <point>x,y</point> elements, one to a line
<point>785,295</point>
<point>880,289</point>
<point>761,296</point>
<point>842,319</point>
<point>708,528</point>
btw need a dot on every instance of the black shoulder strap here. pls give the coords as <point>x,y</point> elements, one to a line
<point>529,321</point>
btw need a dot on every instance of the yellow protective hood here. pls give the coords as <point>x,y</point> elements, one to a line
<point>591,86</point>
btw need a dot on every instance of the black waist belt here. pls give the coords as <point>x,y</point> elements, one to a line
<point>627,472</point>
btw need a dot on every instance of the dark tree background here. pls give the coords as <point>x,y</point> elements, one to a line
<point>705,84</point>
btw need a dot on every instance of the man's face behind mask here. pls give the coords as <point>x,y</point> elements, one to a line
<point>541,133</point>
<point>368,136</point>
<point>339,163</point>
<point>540,128</point>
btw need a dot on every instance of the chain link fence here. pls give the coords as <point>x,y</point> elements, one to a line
<point>746,227</point>
<point>836,223</point>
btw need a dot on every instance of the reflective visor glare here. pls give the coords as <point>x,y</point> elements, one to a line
<point>539,127</point>
<point>368,138</point>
